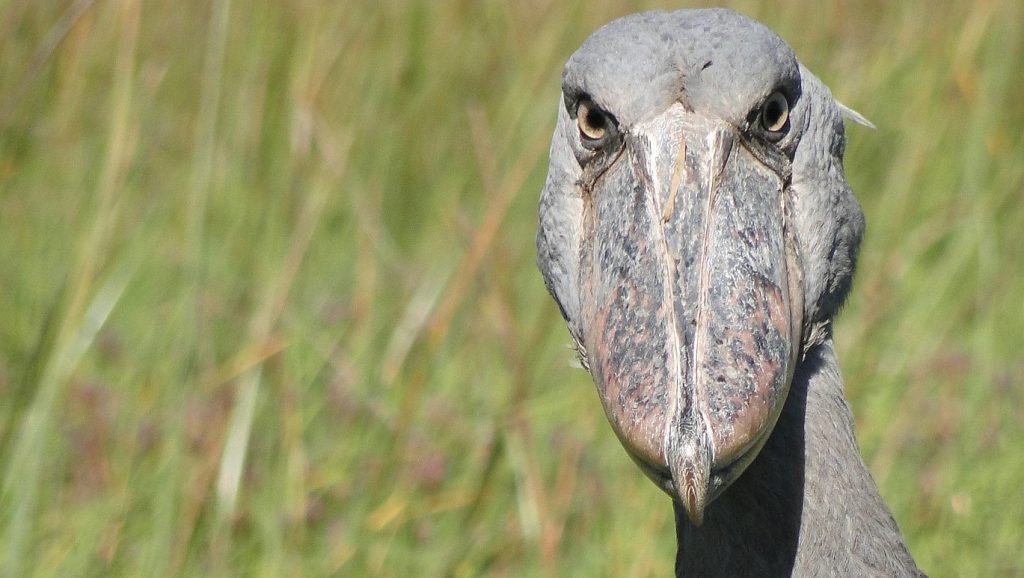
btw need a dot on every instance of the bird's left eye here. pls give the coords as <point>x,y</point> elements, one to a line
<point>595,124</point>
<point>774,113</point>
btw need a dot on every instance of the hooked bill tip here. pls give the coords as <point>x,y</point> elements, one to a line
<point>694,501</point>
<point>689,452</point>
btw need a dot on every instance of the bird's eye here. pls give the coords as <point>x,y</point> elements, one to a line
<point>595,125</point>
<point>774,113</point>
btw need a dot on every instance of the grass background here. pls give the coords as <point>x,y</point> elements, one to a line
<point>268,303</point>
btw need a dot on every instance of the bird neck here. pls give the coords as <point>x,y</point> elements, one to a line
<point>807,502</point>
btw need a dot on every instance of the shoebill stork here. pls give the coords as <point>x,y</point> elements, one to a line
<point>698,234</point>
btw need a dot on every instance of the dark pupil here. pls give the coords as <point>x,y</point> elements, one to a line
<point>772,113</point>
<point>595,119</point>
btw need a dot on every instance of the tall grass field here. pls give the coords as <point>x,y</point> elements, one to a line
<point>269,307</point>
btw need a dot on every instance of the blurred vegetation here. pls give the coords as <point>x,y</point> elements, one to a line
<point>269,303</point>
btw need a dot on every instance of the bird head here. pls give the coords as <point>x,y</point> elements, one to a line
<point>697,233</point>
